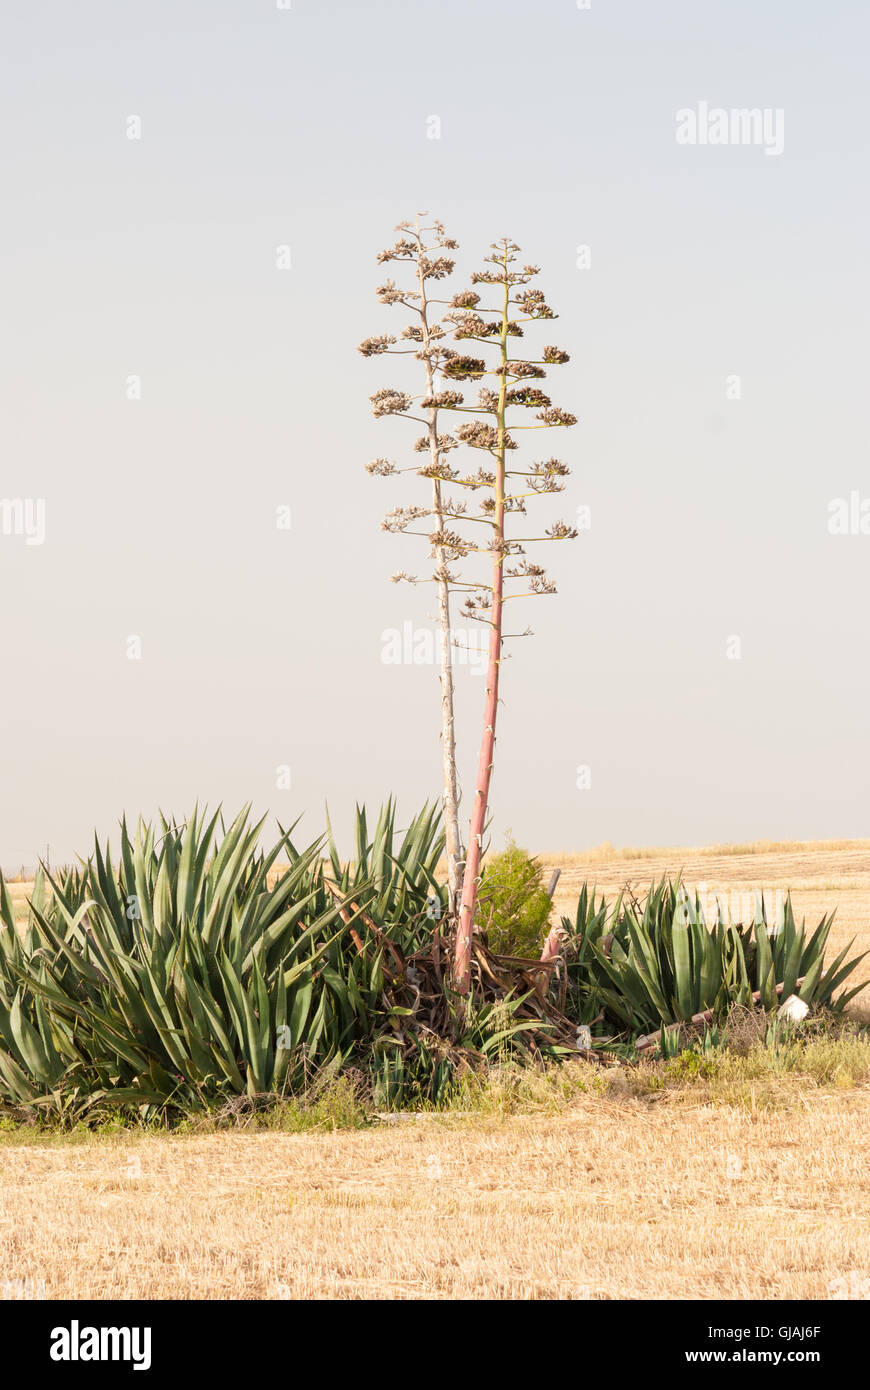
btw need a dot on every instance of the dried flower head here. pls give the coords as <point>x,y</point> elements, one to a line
<point>464,368</point>
<point>482,478</point>
<point>553,468</point>
<point>443,444</point>
<point>389,402</point>
<point>440,469</point>
<point>381,468</point>
<point>514,503</point>
<point>402,251</point>
<point>475,604</point>
<point>533,303</point>
<point>400,517</point>
<point>478,435</point>
<point>543,476</point>
<point>520,370</point>
<point>525,567</point>
<point>471,326</point>
<point>465,299</point>
<point>542,586</point>
<point>387,293</point>
<point>456,547</point>
<point>527,396</point>
<point>437,269</point>
<point>372,347</point>
<point>554,415</point>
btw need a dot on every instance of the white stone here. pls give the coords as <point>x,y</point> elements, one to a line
<point>794,1009</point>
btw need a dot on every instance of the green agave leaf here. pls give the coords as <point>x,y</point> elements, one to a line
<point>7,911</point>
<point>685,995</point>
<point>766,983</point>
<point>19,1088</point>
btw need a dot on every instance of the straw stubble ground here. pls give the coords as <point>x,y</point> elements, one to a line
<point>613,1198</point>
<point>609,1200</point>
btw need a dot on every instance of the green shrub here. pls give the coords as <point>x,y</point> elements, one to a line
<point>514,908</point>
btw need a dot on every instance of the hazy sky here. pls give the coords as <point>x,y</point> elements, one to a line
<point>261,648</point>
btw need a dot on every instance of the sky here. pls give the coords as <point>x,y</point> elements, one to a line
<point>171,386</point>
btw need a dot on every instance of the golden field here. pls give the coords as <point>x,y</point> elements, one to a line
<point>609,1199</point>
<point>752,1185</point>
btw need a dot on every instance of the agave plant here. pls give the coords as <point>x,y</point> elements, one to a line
<point>406,897</point>
<point>197,966</point>
<point>640,966</point>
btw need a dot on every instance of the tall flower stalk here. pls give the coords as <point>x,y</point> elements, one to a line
<point>487,601</point>
<point>419,248</point>
<point>493,432</point>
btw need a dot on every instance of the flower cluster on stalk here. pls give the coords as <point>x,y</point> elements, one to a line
<point>496,416</point>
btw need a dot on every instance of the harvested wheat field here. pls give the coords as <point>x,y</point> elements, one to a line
<point>611,1199</point>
